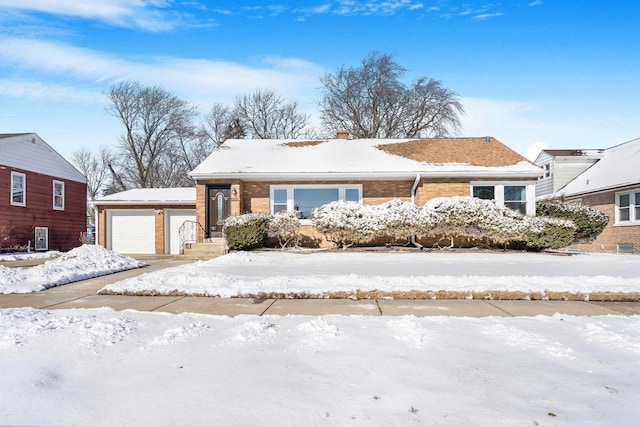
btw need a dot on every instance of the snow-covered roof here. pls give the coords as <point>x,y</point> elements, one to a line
<point>328,159</point>
<point>150,196</point>
<point>29,152</point>
<point>619,167</point>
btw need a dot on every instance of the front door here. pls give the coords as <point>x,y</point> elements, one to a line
<point>218,209</point>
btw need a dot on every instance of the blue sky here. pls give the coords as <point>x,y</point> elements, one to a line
<point>532,73</point>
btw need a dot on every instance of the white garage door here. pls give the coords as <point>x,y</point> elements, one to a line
<point>174,219</point>
<point>132,231</point>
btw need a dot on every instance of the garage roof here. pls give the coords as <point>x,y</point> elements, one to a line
<point>150,196</point>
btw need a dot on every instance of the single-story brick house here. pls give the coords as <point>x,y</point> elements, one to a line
<point>251,176</point>
<point>145,220</point>
<point>43,197</point>
<point>611,184</point>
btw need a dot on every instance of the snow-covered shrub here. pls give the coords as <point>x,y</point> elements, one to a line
<point>589,221</point>
<point>345,223</point>
<point>545,233</point>
<point>247,231</point>
<point>471,218</point>
<point>397,220</point>
<point>285,226</point>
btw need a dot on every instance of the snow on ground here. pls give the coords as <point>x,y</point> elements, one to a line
<point>21,256</point>
<point>100,367</point>
<point>81,263</point>
<point>320,273</point>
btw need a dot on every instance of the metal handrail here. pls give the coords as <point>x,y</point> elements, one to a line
<point>191,232</point>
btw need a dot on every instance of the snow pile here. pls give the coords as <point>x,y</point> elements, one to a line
<point>102,368</point>
<point>81,263</point>
<point>255,274</point>
<point>21,256</point>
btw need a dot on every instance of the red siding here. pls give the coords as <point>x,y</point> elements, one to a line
<point>17,222</point>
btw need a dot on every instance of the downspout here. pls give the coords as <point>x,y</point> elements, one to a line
<point>95,225</point>
<point>413,200</point>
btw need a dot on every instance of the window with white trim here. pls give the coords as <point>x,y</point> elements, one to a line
<point>518,196</point>
<point>628,208</point>
<point>304,198</point>
<point>58,195</point>
<point>18,189</point>
<point>547,170</point>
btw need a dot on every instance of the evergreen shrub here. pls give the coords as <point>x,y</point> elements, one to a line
<point>244,232</point>
<point>589,221</point>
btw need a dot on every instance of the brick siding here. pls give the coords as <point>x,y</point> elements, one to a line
<point>612,235</point>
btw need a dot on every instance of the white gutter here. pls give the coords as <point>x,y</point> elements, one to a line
<point>373,176</point>
<point>413,200</point>
<point>134,202</point>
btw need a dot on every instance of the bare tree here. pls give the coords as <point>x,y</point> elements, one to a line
<point>157,127</point>
<point>265,115</point>
<point>96,169</point>
<point>370,101</point>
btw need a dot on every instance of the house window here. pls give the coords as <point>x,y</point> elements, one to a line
<point>547,170</point>
<point>304,198</point>
<point>18,189</point>
<point>628,208</point>
<point>484,192</point>
<point>279,198</point>
<point>517,197</point>
<point>58,195</point>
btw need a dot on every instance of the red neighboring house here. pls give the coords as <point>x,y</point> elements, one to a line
<point>43,197</point>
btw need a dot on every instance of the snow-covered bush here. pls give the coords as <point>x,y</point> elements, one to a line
<point>471,218</point>
<point>247,231</point>
<point>285,227</point>
<point>346,223</point>
<point>589,221</point>
<point>545,233</point>
<point>397,220</point>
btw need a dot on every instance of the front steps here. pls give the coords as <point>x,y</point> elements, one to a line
<point>206,250</point>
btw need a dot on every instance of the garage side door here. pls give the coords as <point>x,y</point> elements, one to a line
<point>132,231</point>
<point>174,219</point>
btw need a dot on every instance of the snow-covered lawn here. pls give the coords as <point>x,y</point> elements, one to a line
<point>81,263</point>
<point>345,273</point>
<point>21,256</point>
<point>103,368</point>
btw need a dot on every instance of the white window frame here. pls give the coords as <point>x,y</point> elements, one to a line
<point>547,170</point>
<point>61,184</point>
<point>342,189</point>
<point>24,189</point>
<point>530,192</point>
<point>633,218</point>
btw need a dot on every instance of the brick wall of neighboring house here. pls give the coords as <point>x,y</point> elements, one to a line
<point>17,223</point>
<point>612,235</point>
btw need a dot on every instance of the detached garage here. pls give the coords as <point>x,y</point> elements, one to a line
<point>144,221</point>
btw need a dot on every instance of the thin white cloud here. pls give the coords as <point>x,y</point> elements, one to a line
<point>197,80</point>
<point>24,89</point>
<point>536,3</point>
<point>534,149</point>
<point>146,15</point>
<point>485,16</point>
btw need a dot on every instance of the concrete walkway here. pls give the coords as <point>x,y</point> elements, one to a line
<point>83,295</point>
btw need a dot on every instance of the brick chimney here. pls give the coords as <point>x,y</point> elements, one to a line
<point>342,134</point>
